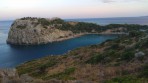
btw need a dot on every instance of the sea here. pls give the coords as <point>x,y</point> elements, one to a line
<point>14,55</point>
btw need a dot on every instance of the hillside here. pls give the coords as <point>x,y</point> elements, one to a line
<point>123,60</point>
<point>34,31</point>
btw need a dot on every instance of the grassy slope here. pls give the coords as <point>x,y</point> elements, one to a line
<point>110,62</point>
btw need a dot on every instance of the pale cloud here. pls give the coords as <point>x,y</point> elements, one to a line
<point>109,1</point>
<point>12,9</point>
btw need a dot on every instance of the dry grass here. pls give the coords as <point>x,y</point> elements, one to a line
<point>108,69</point>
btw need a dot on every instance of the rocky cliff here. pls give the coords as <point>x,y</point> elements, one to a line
<point>31,31</point>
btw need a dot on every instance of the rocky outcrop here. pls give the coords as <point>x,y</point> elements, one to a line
<point>11,76</point>
<point>35,31</point>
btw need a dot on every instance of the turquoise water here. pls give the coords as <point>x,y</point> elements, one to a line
<point>12,55</point>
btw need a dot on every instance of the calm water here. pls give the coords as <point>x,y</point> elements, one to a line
<point>12,55</point>
<point>122,20</point>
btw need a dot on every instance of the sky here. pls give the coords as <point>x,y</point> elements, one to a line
<point>13,9</point>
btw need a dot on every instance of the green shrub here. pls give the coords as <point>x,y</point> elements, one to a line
<point>43,22</point>
<point>28,18</point>
<point>21,26</point>
<point>125,79</point>
<point>34,68</point>
<point>25,70</point>
<point>62,75</point>
<point>127,56</point>
<point>113,46</point>
<point>95,59</point>
<point>144,72</point>
<point>112,54</point>
<point>135,33</point>
<point>43,67</point>
<point>145,44</point>
<point>40,71</point>
<point>57,21</point>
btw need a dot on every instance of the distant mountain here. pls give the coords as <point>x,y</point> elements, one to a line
<point>144,16</point>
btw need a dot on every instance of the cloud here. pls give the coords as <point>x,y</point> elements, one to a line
<point>109,1</point>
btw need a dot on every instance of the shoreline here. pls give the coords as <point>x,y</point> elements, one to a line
<point>69,37</point>
<point>81,34</point>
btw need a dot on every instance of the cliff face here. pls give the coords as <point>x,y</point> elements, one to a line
<point>33,31</point>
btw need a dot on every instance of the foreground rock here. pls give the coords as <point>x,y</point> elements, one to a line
<point>30,31</point>
<point>11,76</point>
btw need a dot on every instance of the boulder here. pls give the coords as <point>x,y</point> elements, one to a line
<point>139,54</point>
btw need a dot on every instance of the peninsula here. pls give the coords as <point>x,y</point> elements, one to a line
<point>34,31</point>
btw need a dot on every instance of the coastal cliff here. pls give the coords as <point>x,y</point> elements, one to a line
<point>30,31</point>
<point>34,31</point>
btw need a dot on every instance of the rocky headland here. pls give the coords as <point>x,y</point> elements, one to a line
<point>34,31</point>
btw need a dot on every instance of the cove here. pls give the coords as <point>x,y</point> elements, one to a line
<point>13,55</point>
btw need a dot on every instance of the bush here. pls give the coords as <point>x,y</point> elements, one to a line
<point>125,79</point>
<point>43,67</point>
<point>145,44</point>
<point>135,34</point>
<point>95,59</point>
<point>21,26</point>
<point>127,56</point>
<point>144,72</point>
<point>36,67</point>
<point>62,75</point>
<point>43,22</point>
<point>40,71</point>
<point>28,18</point>
<point>57,21</point>
<point>114,46</point>
<point>112,53</point>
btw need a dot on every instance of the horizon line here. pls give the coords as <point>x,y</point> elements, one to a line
<point>84,18</point>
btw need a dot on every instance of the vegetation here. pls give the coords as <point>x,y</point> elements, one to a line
<point>135,34</point>
<point>95,59</point>
<point>91,27</point>
<point>43,21</point>
<point>62,75</point>
<point>57,21</point>
<point>144,72</point>
<point>79,27</point>
<point>127,79</point>
<point>112,61</point>
<point>37,65</point>
<point>21,26</point>
<point>29,18</point>
<point>127,56</point>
